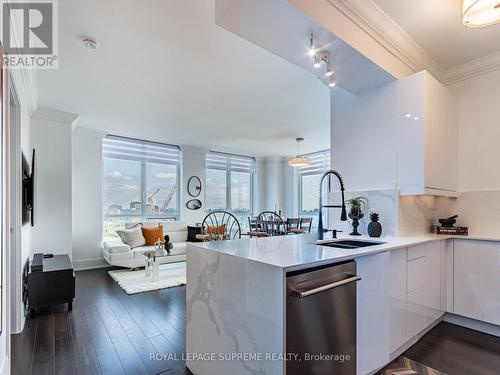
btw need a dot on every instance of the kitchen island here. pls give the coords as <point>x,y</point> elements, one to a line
<point>237,298</point>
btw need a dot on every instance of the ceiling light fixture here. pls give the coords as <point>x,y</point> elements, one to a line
<point>311,51</point>
<point>90,43</point>
<point>480,13</point>
<point>320,57</point>
<point>317,62</point>
<point>299,160</point>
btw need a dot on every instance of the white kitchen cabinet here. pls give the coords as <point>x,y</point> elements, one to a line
<point>427,129</point>
<point>433,271</point>
<point>424,291</point>
<point>476,280</point>
<point>398,299</point>
<point>373,312</point>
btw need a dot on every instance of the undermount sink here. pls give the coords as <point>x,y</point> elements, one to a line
<point>350,244</point>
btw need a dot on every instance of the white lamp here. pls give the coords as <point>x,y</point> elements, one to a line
<point>480,13</point>
<point>299,160</point>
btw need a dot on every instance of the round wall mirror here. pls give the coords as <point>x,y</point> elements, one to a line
<point>194,186</point>
<point>194,204</point>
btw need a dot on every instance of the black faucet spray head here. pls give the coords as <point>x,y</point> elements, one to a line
<point>343,214</point>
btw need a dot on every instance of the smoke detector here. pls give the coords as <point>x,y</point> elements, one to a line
<point>90,43</point>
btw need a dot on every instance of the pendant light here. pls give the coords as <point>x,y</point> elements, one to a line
<point>299,160</point>
<point>480,13</point>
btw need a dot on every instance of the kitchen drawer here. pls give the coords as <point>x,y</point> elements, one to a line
<point>415,252</point>
<point>416,274</point>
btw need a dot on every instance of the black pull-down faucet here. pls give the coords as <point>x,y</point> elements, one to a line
<point>343,214</point>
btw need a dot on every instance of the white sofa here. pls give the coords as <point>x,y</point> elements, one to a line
<point>119,254</point>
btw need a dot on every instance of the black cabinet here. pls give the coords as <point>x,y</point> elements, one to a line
<point>54,285</point>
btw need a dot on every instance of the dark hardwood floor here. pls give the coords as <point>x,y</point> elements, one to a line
<point>456,350</point>
<point>109,332</point>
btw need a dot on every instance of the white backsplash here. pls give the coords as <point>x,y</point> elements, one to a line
<point>414,215</point>
<point>417,213</point>
<point>384,202</point>
<point>478,210</point>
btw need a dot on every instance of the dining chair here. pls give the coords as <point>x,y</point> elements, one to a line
<point>253,224</point>
<point>292,225</point>
<point>272,223</point>
<point>222,223</point>
<point>306,224</point>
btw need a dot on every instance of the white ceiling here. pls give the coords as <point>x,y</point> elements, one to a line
<point>287,35</point>
<point>436,25</point>
<point>165,71</point>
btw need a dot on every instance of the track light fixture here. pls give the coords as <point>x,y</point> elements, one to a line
<point>312,49</point>
<point>317,62</point>
<point>319,57</point>
<point>329,72</point>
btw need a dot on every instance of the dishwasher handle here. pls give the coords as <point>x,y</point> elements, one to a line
<point>310,292</point>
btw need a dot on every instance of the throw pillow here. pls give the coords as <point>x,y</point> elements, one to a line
<point>151,235</point>
<point>216,229</point>
<point>192,232</point>
<point>132,237</point>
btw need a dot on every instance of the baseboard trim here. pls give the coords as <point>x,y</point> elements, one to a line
<point>476,325</point>
<point>89,264</point>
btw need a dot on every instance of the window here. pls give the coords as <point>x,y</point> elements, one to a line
<point>140,182</point>
<point>229,184</point>
<point>309,178</point>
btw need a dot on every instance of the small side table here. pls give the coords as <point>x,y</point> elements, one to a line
<point>54,285</point>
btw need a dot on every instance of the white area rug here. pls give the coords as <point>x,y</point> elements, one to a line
<point>133,282</point>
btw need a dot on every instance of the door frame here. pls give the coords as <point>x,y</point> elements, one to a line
<point>14,220</point>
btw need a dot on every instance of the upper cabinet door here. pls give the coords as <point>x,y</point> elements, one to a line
<point>427,128</point>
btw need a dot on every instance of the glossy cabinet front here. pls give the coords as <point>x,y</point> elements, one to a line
<point>416,290</point>
<point>476,280</point>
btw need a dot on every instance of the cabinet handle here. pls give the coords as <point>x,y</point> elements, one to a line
<point>322,288</point>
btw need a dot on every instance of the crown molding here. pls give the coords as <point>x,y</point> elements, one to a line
<point>54,115</point>
<point>367,15</point>
<point>471,69</point>
<point>82,130</point>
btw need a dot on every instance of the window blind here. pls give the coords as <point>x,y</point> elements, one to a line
<point>237,163</point>
<point>134,149</point>
<point>320,162</point>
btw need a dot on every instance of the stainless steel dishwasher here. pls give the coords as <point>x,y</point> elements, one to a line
<point>321,320</point>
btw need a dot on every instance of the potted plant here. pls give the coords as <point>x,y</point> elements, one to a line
<point>357,206</point>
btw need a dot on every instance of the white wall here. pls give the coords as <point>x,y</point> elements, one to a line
<point>478,153</point>
<point>193,164</point>
<point>25,106</point>
<point>260,200</point>
<point>479,132</point>
<point>364,151</point>
<point>51,137</point>
<point>363,138</point>
<point>86,199</point>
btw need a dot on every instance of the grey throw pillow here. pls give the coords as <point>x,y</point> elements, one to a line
<point>132,237</point>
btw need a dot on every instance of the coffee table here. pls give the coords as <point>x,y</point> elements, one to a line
<point>152,262</point>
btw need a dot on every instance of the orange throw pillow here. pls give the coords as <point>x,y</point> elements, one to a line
<point>151,235</point>
<point>216,229</point>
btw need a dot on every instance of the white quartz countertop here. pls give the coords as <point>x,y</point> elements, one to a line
<point>295,252</point>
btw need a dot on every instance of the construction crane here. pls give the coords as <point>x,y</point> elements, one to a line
<point>151,201</point>
<point>165,204</point>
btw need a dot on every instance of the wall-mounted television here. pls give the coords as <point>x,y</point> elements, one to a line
<point>28,204</point>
